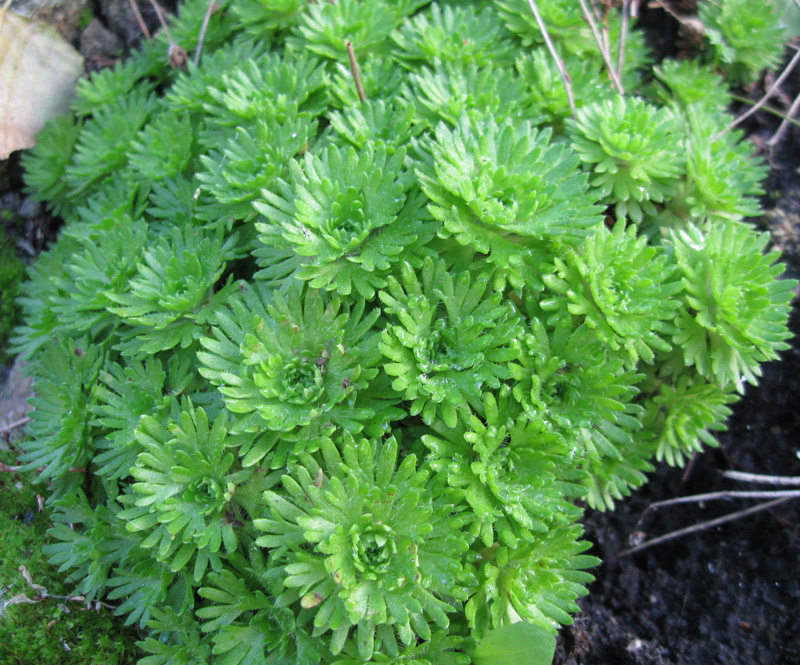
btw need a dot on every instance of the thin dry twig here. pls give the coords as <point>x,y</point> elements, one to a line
<point>727,494</point>
<point>140,20</point>
<point>15,424</point>
<point>693,25</point>
<point>785,123</point>
<point>702,526</point>
<point>758,478</point>
<point>175,53</point>
<point>623,37</point>
<point>211,7</point>
<point>773,88</point>
<point>354,68</point>
<point>562,70</point>
<point>603,44</point>
<point>3,11</point>
<point>161,19</point>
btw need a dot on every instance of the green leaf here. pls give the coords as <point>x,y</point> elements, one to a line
<point>514,644</point>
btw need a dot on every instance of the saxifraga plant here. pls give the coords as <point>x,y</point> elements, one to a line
<point>322,380</point>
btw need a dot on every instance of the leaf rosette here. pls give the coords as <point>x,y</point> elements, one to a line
<point>506,191</point>
<point>510,469</point>
<point>734,305</point>
<point>366,545</point>
<point>622,288</point>
<point>342,220</point>
<point>632,149</point>
<point>299,365</point>
<point>447,340</point>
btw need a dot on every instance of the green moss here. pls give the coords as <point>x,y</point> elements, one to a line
<point>12,272</point>
<point>51,630</point>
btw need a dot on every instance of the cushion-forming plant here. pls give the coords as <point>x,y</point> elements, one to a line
<point>324,380</point>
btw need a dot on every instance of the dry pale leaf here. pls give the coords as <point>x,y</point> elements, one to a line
<point>38,70</point>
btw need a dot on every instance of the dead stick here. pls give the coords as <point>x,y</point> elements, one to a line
<point>14,425</point>
<point>727,494</point>
<point>589,14</point>
<point>703,526</point>
<point>3,12</point>
<point>161,19</point>
<point>764,99</point>
<point>785,124</point>
<point>623,37</point>
<point>203,28</point>
<point>758,478</point>
<point>140,20</point>
<point>551,47</point>
<point>354,68</point>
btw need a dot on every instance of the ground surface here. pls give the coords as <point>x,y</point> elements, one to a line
<point>727,596</point>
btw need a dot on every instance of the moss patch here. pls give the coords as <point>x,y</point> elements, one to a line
<point>51,630</point>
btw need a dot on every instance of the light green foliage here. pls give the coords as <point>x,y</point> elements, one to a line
<point>339,371</point>
<point>634,151</point>
<point>621,288</point>
<point>735,308</point>
<point>743,41</point>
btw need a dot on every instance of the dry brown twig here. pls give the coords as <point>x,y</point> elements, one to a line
<point>351,55</point>
<point>15,424</point>
<point>209,11</point>
<point>175,53</point>
<point>702,526</point>
<point>602,43</point>
<point>758,478</point>
<point>793,109</point>
<point>626,13</point>
<point>765,98</point>
<point>562,70</point>
<point>140,20</point>
<point>777,496</point>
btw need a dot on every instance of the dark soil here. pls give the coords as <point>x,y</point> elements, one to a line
<point>728,595</point>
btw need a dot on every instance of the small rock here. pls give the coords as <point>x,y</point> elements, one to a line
<point>14,395</point>
<point>64,15</point>
<point>121,19</point>
<point>99,45</point>
<point>29,208</point>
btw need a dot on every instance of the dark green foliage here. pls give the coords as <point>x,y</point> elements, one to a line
<point>744,42</point>
<point>12,273</point>
<point>337,372</point>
